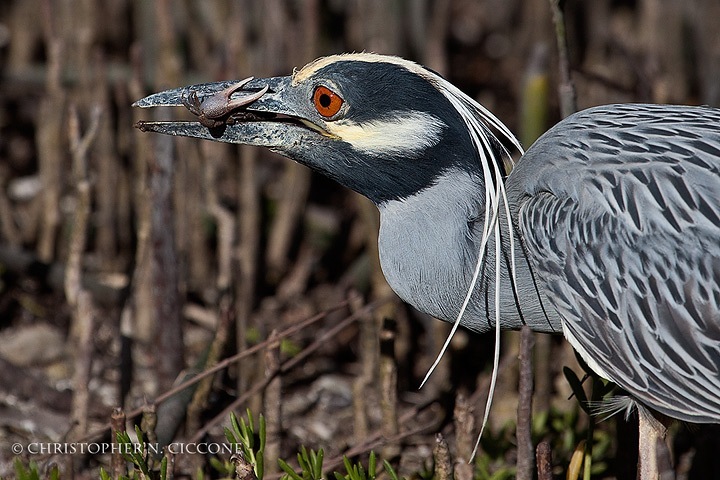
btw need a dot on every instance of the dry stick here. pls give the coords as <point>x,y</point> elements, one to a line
<point>544,461</point>
<point>368,357</point>
<point>166,301</point>
<point>225,236</point>
<point>49,145</point>
<point>241,58</point>
<point>79,299</point>
<point>79,146</point>
<point>291,205</point>
<point>139,306</point>
<point>192,206</point>
<point>84,321</point>
<point>149,422</point>
<point>526,460</point>
<point>168,346</point>
<point>464,423</point>
<point>118,466</point>
<point>443,459</point>
<point>566,90</point>
<point>9,230</point>
<point>108,170</point>
<point>272,403</point>
<point>222,335</point>
<point>247,251</point>
<point>388,387</point>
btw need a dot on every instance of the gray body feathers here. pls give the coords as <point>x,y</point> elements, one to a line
<point>619,209</point>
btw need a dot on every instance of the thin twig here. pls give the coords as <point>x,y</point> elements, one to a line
<point>526,454</point>
<point>217,347</point>
<point>443,459</point>
<point>78,298</point>
<point>566,89</point>
<point>388,387</point>
<point>544,461</point>
<point>118,467</point>
<point>464,423</point>
<point>167,347</point>
<point>368,353</point>
<point>272,404</point>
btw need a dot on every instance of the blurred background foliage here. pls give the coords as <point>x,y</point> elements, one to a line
<point>129,261</point>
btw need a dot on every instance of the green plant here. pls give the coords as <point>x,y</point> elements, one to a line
<point>356,471</point>
<point>138,454</point>
<point>32,471</point>
<point>310,462</point>
<point>243,434</point>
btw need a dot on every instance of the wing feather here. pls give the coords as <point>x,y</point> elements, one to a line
<point>625,237</point>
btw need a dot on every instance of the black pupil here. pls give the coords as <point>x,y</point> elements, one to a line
<point>325,100</point>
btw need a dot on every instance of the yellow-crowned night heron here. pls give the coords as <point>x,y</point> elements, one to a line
<point>607,229</point>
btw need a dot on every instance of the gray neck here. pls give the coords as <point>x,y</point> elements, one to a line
<point>429,246</point>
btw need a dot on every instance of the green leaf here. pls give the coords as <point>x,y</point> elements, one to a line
<point>139,434</point>
<point>260,465</point>
<point>54,473</point>
<point>318,464</point>
<point>390,470</point>
<point>30,473</point>
<point>261,434</point>
<point>288,470</point>
<point>231,437</point>
<point>348,468</point>
<point>304,460</point>
<point>163,468</point>
<point>250,420</point>
<point>219,466</point>
<point>235,424</point>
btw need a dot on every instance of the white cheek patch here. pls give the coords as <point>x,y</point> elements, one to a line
<point>407,133</point>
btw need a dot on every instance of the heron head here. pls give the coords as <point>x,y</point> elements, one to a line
<point>380,125</point>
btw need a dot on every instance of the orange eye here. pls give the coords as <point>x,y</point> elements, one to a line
<point>327,102</point>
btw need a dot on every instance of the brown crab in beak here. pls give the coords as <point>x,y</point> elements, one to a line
<point>216,110</point>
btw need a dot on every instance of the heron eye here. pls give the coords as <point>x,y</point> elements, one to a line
<point>327,102</point>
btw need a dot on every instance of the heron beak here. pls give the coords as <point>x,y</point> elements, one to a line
<point>281,119</point>
<point>253,111</point>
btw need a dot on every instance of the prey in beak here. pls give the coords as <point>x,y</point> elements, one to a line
<point>216,109</point>
<point>267,112</point>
